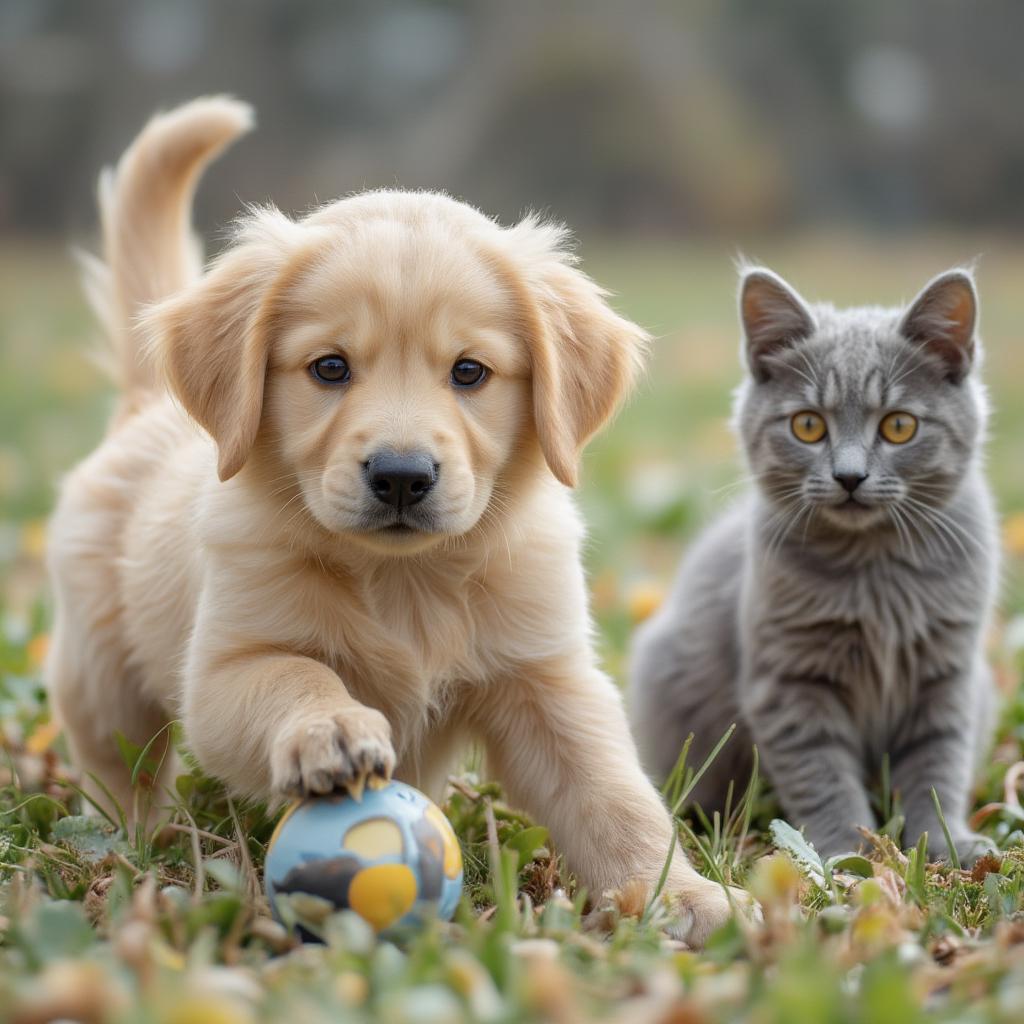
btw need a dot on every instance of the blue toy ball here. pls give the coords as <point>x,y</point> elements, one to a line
<point>392,857</point>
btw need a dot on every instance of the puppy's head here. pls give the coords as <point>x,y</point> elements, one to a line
<point>394,356</point>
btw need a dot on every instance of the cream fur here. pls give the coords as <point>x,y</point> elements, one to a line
<point>210,560</point>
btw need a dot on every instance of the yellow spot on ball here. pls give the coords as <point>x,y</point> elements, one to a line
<point>383,893</point>
<point>452,853</point>
<point>375,838</point>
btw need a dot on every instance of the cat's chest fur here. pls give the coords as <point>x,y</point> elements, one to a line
<point>877,630</point>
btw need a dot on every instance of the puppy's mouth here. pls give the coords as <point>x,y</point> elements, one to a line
<point>399,524</point>
<point>397,529</point>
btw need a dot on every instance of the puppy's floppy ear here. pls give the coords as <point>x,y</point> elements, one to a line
<point>584,356</point>
<point>943,318</point>
<point>211,340</point>
<point>773,317</point>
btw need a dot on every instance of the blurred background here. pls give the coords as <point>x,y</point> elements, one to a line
<point>856,147</point>
<point>710,116</point>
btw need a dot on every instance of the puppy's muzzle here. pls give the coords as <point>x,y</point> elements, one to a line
<point>401,480</point>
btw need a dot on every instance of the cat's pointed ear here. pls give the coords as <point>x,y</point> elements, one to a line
<point>943,317</point>
<point>773,317</point>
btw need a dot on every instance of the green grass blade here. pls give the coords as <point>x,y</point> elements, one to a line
<point>954,857</point>
<point>689,788</point>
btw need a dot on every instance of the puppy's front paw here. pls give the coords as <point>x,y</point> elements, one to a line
<point>699,911</point>
<point>322,752</point>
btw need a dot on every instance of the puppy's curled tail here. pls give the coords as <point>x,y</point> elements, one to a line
<point>149,250</point>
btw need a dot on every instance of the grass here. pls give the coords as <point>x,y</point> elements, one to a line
<point>98,924</point>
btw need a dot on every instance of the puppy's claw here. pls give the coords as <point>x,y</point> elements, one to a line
<point>334,752</point>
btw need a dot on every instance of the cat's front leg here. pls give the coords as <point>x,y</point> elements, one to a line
<point>811,753</point>
<point>936,750</point>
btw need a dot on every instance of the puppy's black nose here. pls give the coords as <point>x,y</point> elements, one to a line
<point>851,481</point>
<point>401,480</point>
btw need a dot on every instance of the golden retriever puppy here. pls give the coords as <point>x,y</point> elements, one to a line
<point>330,527</point>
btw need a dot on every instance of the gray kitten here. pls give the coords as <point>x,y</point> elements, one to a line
<point>837,614</point>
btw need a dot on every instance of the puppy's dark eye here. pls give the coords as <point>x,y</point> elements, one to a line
<point>331,370</point>
<point>467,373</point>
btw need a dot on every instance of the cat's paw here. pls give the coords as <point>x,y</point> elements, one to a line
<point>341,750</point>
<point>837,842</point>
<point>702,909</point>
<point>969,847</point>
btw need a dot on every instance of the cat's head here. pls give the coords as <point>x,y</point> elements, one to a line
<point>859,418</point>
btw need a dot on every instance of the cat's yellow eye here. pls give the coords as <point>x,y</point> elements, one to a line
<point>808,427</point>
<point>898,427</point>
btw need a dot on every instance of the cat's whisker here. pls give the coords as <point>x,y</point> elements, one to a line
<point>944,526</point>
<point>916,354</point>
<point>906,532</point>
<point>787,495</point>
<point>945,517</point>
<point>813,511</point>
<point>787,523</point>
<point>944,494</point>
<point>800,373</point>
<point>894,519</point>
<point>936,540</point>
<point>741,482</point>
<point>776,521</point>
<point>812,373</point>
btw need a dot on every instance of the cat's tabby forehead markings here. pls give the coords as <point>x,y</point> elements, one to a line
<point>872,390</point>
<point>852,357</point>
<point>866,376</point>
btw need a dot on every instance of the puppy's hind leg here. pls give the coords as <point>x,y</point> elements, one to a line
<point>94,696</point>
